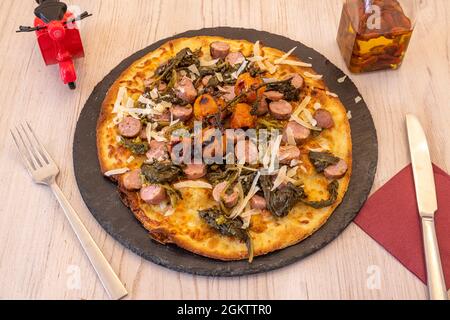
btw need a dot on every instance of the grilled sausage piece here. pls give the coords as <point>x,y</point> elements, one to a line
<point>219,50</point>
<point>288,153</point>
<point>182,113</point>
<point>299,132</point>
<point>234,58</point>
<point>258,202</point>
<point>130,127</point>
<point>157,151</point>
<point>297,81</point>
<point>132,180</point>
<point>336,171</point>
<point>195,171</point>
<point>274,95</point>
<point>246,152</point>
<point>229,199</point>
<point>185,90</point>
<point>280,110</point>
<point>263,107</point>
<point>324,119</point>
<point>153,194</point>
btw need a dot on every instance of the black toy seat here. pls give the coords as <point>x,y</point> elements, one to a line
<point>50,11</point>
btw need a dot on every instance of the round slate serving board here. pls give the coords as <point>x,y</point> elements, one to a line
<point>103,201</point>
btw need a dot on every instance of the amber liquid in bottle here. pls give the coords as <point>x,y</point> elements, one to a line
<point>367,48</point>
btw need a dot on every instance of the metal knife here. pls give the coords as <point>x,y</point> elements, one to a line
<point>427,205</point>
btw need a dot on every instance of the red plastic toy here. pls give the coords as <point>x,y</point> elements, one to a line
<point>58,37</point>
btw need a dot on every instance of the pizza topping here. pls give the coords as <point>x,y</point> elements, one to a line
<point>219,50</point>
<point>258,202</point>
<point>324,119</point>
<point>280,110</point>
<point>225,194</point>
<point>182,113</point>
<point>130,127</point>
<point>273,95</point>
<point>161,172</point>
<point>331,94</point>
<point>246,152</point>
<point>185,90</point>
<point>260,107</point>
<point>237,211</point>
<point>136,146</point>
<point>153,194</point>
<point>205,106</point>
<point>337,170</point>
<point>208,63</point>
<point>309,117</point>
<point>288,153</point>
<point>132,180</point>
<point>333,190</point>
<point>295,133</point>
<point>196,184</point>
<point>115,172</point>
<point>322,160</point>
<point>234,58</point>
<point>313,76</point>
<point>158,151</point>
<point>228,92</point>
<point>281,200</point>
<point>195,171</point>
<point>283,60</point>
<point>242,117</point>
<point>289,91</point>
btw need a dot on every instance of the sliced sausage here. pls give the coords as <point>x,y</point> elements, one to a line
<point>195,171</point>
<point>234,58</point>
<point>274,95</point>
<point>262,107</point>
<point>164,117</point>
<point>280,110</point>
<point>182,152</point>
<point>182,113</point>
<point>258,202</point>
<point>246,152</point>
<point>219,50</point>
<point>228,93</point>
<point>299,132</point>
<point>153,194</point>
<point>229,199</point>
<point>130,127</point>
<point>157,151</point>
<point>336,171</point>
<point>185,90</point>
<point>297,81</point>
<point>162,86</point>
<point>143,133</point>
<point>132,180</point>
<point>324,119</point>
<point>288,153</point>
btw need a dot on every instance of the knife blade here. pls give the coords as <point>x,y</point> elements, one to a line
<point>427,205</point>
<point>422,167</point>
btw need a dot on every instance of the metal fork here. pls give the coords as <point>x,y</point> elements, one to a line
<point>44,170</point>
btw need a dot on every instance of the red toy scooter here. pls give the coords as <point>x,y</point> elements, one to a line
<point>58,37</point>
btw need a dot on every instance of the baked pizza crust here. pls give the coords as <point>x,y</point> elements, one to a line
<point>184,227</point>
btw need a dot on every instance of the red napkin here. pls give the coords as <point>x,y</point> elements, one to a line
<point>391,218</point>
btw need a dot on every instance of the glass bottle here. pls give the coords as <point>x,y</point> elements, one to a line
<point>374,34</point>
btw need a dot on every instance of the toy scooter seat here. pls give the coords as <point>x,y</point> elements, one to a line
<point>50,11</point>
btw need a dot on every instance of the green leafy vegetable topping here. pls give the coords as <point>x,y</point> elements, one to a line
<point>333,191</point>
<point>136,146</point>
<point>161,172</point>
<point>322,160</point>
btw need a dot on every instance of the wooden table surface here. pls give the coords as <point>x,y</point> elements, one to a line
<point>40,257</point>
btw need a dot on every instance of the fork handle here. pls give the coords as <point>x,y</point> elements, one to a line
<point>109,279</point>
<point>435,276</point>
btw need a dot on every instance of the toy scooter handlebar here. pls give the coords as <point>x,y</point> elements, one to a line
<point>82,16</point>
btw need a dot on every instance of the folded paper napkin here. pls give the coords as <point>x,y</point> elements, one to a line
<point>391,218</point>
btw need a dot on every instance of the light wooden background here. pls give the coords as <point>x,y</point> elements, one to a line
<point>39,254</point>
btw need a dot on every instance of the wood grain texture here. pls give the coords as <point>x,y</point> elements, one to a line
<point>39,254</point>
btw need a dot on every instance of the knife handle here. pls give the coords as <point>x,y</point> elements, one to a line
<point>435,276</point>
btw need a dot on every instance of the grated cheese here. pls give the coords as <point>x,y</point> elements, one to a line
<point>313,76</point>
<point>208,63</point>
<point>290,137</point>
<point>349,115</point>
<point>281,177</point>
<point>247,215</point>
<point>331,94</point>
<point>193,68</point>
<point>310,117</point>
<point>192,184</point>
<point>131,159</point>
<point>239,71</point>
<point>285,56</point>
<point>257,54</point>
<point>116,172</point>
<point>358,99</point>
<point>154,94</point>
<point>341,80</point>
<point>270,67</point>
<point>304,123</point>
<point>317,106</point>
<point>219,76</point>
<point>296,63</point>
<point>253,190</point>
<point>302,106</point>
<point>274,153</point>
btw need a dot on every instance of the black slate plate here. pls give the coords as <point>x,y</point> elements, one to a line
<point>103,201</point>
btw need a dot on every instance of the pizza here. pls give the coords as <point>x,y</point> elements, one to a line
<point>226,148</point>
